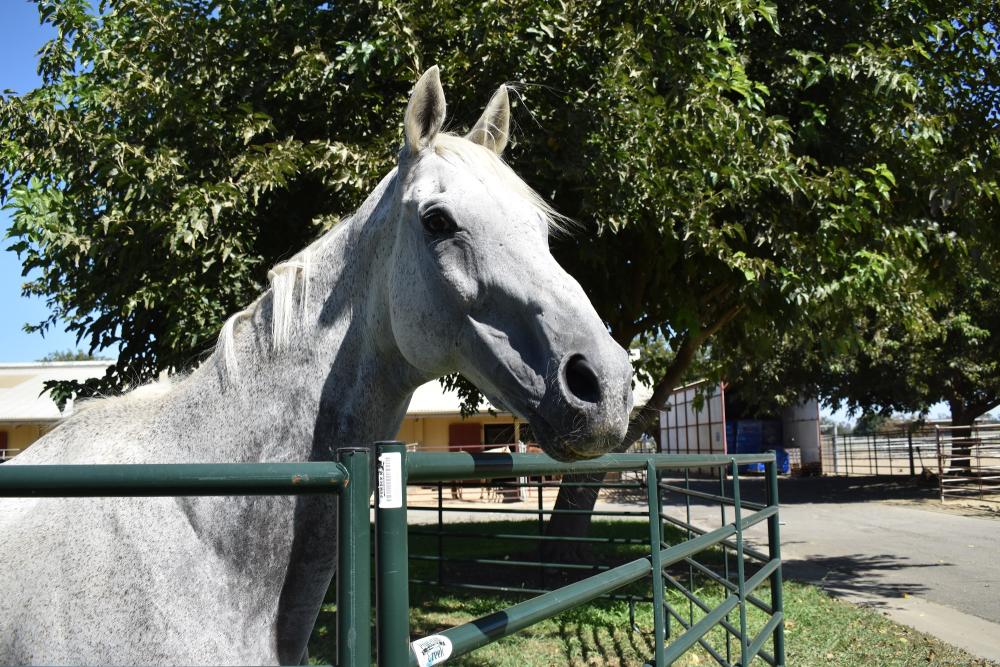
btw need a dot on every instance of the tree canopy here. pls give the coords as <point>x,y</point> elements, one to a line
<point>739,170</point>
<point>942,148</point>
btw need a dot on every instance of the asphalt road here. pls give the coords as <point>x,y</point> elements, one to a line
<point>871,552</point>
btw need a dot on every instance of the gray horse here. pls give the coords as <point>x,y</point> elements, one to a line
<point>444,268</point>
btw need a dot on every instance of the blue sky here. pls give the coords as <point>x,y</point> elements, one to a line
<point>20,38</point>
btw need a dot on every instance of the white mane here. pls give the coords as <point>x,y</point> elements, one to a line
<point>283,279</point>
<point>486,165</point>
<point>490,169</point>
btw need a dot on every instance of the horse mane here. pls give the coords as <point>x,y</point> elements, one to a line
<point>483,163</point>
<point>283,279</point>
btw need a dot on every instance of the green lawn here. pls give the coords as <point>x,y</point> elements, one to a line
<point>819,629</point>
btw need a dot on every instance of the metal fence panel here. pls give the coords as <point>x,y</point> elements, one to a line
<point>968,462</point>
<point>432,468</point>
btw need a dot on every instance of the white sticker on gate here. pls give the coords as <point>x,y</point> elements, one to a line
<point>390,480</point>
<point>431,650</point>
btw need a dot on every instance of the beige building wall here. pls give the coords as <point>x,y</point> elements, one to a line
<point>430,432</point>
<point>427,432</point>
<point>20,435</point>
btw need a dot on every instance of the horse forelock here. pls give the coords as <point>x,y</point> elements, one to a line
<point>490,169</point>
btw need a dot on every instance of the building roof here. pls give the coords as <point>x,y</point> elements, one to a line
<point>432,399</point>
<point>22,388</point>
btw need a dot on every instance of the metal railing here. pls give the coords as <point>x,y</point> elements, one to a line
<point>900,452</point>
<point>398,468</point>
<point>350,479</point>
<point>8,454</point>
<point>968,462</point>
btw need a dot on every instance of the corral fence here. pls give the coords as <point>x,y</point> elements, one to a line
<point>744,569</point>
<point>348,479</point>
<point>7,454</point>
<point>963,460</point>
<point>901,452</point>
<point>968,462</point>
<point>741,571</point>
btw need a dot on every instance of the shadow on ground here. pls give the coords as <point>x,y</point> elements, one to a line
<point>799,490</point>
<point>859,576</point>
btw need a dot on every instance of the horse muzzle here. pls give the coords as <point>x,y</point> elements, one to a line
<point>585,410</point>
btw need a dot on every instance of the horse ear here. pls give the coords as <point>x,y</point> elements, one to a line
<point>425,112</point>
<point>493,127</point>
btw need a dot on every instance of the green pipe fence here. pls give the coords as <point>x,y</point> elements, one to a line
<point>183,479</point>
<point>350,477</point>
<point>422,469</point>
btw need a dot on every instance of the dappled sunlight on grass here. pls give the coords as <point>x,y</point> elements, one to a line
<point>819,629</point>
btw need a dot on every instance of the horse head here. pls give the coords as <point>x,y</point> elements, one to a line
<point>475,289</point>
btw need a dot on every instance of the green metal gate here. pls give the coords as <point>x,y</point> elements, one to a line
<point>349,478</point>
<point>397,468</point>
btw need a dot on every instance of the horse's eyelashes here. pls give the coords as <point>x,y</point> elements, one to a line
<point>438,222</point>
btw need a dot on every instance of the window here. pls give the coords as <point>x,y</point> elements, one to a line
<point>498,434</point>
<point>464,436</point>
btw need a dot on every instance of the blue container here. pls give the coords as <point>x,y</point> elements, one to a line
<point>770,435</point>
<point>781,458</point>
<point>748,441</point>
<point>748,432</point>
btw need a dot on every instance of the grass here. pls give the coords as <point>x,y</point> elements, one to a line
<point>819,630</point>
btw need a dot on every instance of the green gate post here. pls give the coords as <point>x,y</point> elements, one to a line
<point>354,605</point>
<point>392,594</point>
<point>774,551</point>
<point>656,544</point>
<point>740,559</point>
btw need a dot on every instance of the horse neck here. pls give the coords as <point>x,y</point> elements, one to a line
<point>341,381</point>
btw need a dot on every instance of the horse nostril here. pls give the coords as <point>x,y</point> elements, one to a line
<point>582,380</point>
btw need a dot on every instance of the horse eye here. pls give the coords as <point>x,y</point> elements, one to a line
<point>438,222</point>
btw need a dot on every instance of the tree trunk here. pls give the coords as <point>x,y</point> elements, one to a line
<point>573,497</point>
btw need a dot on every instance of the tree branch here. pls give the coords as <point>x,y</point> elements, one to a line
<point>645,416</point>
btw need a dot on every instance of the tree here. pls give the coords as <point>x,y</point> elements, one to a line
<point>70,355</point>
<point>902,94</point>
<point>178,149</point>
<point>946,164</point>
<point>218,139</point>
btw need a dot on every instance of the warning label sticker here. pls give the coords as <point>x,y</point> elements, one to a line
<point>431,650</point>
<point>390,480</point>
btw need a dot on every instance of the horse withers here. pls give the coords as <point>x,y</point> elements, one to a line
<point>444,268</point>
